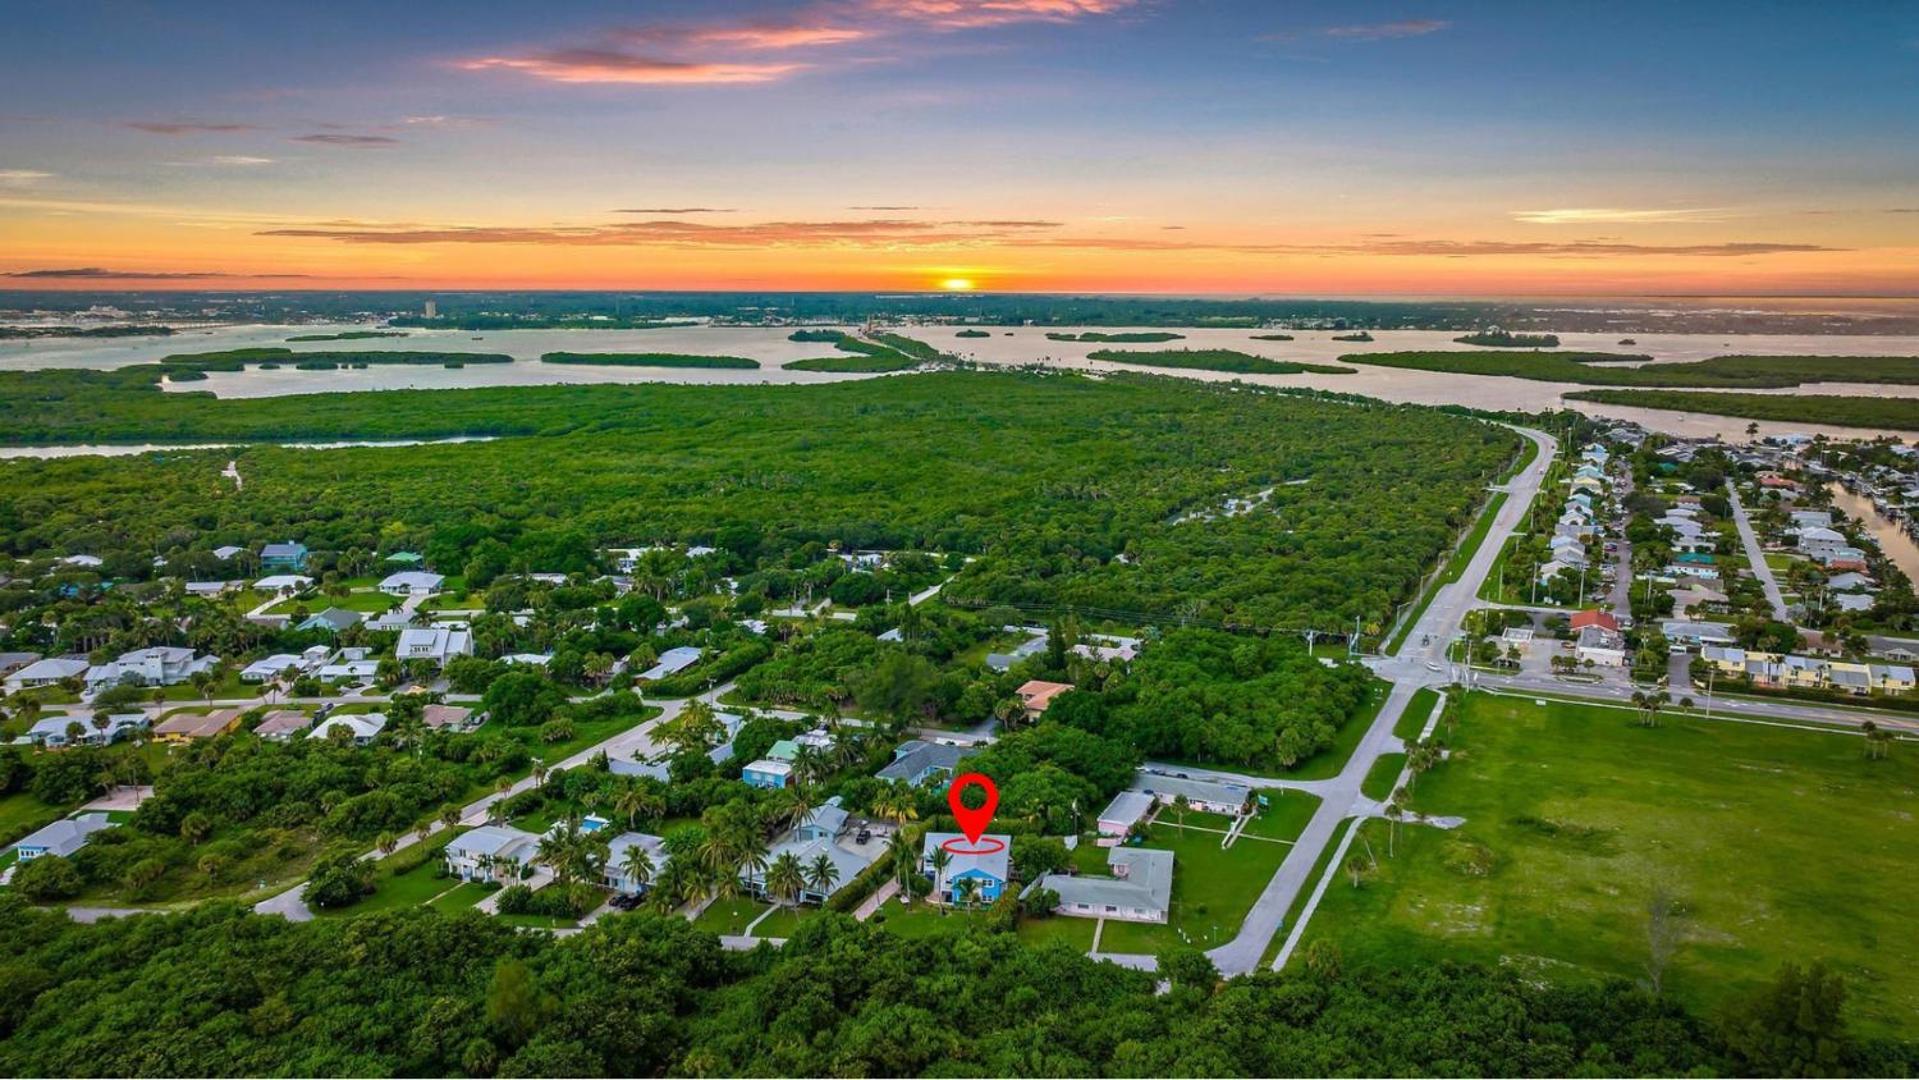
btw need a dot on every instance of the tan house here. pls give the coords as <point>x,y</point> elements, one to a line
<point>1037,694</point>
<point>186,727</point>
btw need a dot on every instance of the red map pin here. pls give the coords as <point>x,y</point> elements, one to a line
<point>972,821</point>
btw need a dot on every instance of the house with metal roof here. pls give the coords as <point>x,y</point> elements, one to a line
<point>63,837</point>
<point>490,853</point>
<point>1126,811</point>
<point>918,762</point>
<point>1214,796</point>
<point>1139,887</point>
<point>988,864</point>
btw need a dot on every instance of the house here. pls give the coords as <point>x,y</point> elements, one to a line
<point>490,853</point>
<point>918,762</point>
<point>615,875</point>
<point>186,727</point>
<point>227,551</point>
<point>282,725</point>
<point>273,667</point>
<point>1214,796</point>
<point>1694,634</point>
<point>1892,678</point>
<point>11,662</point>
<point>63,837</point>
<point>766,773</point>
<point>1107,648</point>
<point>348,665</point>
<point>433,643</point>
<point>1812,519</point>
<point>849,844</point>
<point>672,662</point>
<point>1601,648</point>
<point>208,589</point>
<point>785,750</point>
<point>527,659</point>
<point>1518,637</point>
<point>397,620</point>
<point>283,583</point>
<point>1138,887</point>
<point>448,718</point>
<point>988,865</point>
<point>407,558</point>
<point>333,620</point>
<point>85,562</point>
<point>1038,694</point>
<point>1853,601</point>
<point>49,672</point>
<point>1604,620</point>
<point>1850,581</point>
<point>411,583</point>
<point>1125,812</point>
<point>363,727</point>
<point>1852,678</point>
<point>1818,540</point>
<point>56,732</point>
<point>160,665</point>
<point>288,556</point>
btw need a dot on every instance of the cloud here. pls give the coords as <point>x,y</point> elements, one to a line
<point>241,160</point>
<point>96,273</point>
<point>680,210</point>
<point>877,232</point>
<point>736,52</point>
<point>884,209</point>
<point>1903,210</point>
<point>187,127</point>
<point>978,14</point>
<point>1616,216</point>
<point>1589,248</point>
<point>351,142</point>
<point>19,178</point>
<point>1387,31</point>
<point>613,66</point>
<point>440,122</point>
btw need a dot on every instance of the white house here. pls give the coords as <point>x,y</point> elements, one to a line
<point>615,874</point>
<point>55,732</point>
<point>48,672</point>
<point>490,853</point>
<point>63,837</point>
<point>435,643</point>
<point>411,583</point>
<point>283,583</point>
<point>349,665</point>
<point>672,661</point>
<point>1127,809</point>
<point>365,727</point>
<point>1139,888</point>
<point>272,667</point>
<point>160,665</point>
<point>1213,796</point>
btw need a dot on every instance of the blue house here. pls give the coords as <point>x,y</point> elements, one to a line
<point>63,837</point>
<point>287,556</point>
<point>986,864</point>
<point>767,773</point>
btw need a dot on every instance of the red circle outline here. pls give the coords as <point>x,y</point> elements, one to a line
<point>998,846</point>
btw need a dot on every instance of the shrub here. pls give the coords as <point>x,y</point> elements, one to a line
<point>48,877</point>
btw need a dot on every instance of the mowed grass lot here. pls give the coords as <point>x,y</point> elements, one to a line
<point>1779,844</point>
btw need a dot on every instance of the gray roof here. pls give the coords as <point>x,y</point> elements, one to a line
<point>334,618</point>
<point>1212,791</point>
<point>996,864</point>
<point>1127,806</point>
<point>68,835</point>
<point>915,757</point>
<point>1142,878</point>
<point>489,840</point>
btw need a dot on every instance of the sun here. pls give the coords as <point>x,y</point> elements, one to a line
<point>957,284</point>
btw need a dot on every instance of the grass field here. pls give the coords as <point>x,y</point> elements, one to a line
<point>461,898</point>
<point>1778,844</point>
<point>1413,720</point>
<point>396,888</point>
<point>1379,781</point>
<point>730,916</point>
<point>1212,891</point>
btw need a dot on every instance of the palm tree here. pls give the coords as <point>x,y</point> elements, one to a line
<point>822,875</point>
<point>785,879</point>
<point>940,860</point>
<point>449,815</point>
<point>967,890</point>
<point>1395,812</point>
<point>1180,806</point>
<point>637,867</point>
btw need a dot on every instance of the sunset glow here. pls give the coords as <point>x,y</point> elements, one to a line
<point>1066,144</point>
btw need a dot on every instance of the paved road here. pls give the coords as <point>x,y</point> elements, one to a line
<point>1340,797</point>
<point>636,741</point>
<point>1757,556</point>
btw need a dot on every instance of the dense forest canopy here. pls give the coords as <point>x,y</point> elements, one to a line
<point>1112,493</point>
<point>221,992</point>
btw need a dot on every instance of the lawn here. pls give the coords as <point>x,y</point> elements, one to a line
<point>538,922</point>
<point>461,898</point>
<point>1212,891</point>
<point>784,921</point>
<point>403,884</point>
<point>1380,779</point>
<point>1778,844</point>
<point>22,812</point>
<point>924,919</point>
<point>729,916</point>
<point>1284,816</point>
<point>1418,711</point>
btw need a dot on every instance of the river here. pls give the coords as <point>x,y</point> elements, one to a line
<point>1897,544</point>
<point>1003,347</point>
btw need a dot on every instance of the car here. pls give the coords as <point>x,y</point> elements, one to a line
<point>625,901</point>
<point>1430,666</point>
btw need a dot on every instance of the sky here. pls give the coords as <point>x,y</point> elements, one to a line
<point>1171,146</point>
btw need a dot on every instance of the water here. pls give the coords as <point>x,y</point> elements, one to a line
<point>1014,346</point>
<point>130,449</point>
<point>1895,542</point>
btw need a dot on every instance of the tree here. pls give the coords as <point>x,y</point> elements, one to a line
<point>48,878</point>
<point>339,880</point>
<point>1878,740</point>
<point>1793,1027</point>
<point>515,1007</point>
<point>1187,967</point>
<point>637,867</point>
<point>823,875</point>
<point>1357,868</point>
<point>1665,932</point>
<point>966,891</point>
<point>785,879</point>
<point>940,860</point>
<point>195,827</point>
